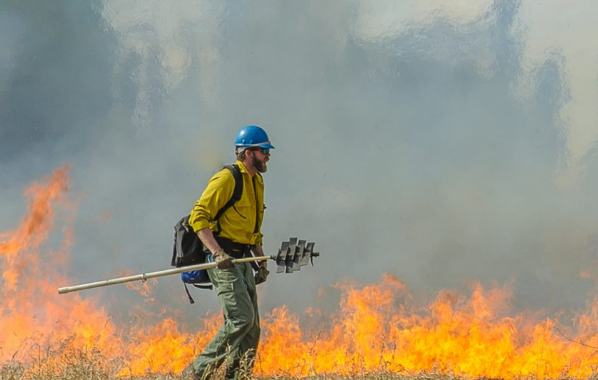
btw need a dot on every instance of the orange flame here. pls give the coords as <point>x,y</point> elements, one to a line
<point>30,314</point>
<point>377,327</point>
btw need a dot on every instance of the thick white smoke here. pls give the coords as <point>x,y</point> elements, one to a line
<point>441,142</point>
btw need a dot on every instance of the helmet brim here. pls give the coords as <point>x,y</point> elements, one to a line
<point>266,145</point>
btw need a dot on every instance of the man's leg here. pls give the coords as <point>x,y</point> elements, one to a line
<point>249,343</point>
<point>237,307</point>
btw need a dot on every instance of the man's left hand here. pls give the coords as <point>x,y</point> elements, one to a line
<point>261,275</point>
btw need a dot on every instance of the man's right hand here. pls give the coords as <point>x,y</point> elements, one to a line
<point>223,260</point>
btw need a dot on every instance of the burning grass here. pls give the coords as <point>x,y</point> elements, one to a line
<point>51,364</point>
<point>92,366</point>
<point>63,362</point>
<point>378,331</point>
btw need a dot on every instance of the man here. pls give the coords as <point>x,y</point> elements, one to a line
<point>234,235</point>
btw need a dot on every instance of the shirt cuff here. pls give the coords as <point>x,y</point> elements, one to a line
<point>200,224</point>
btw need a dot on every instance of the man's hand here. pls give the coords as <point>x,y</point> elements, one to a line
<point>223,260</point>
<point>261,275</point>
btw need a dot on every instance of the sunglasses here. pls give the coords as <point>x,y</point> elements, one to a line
<point>264,151</point>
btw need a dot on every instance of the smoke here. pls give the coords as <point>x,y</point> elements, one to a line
<point>441,143</point>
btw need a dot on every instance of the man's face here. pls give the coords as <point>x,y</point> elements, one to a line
<point>259,158</point>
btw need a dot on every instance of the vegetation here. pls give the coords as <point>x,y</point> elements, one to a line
<point>91,366</point>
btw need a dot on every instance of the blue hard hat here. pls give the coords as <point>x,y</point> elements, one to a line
<point>252,135</point>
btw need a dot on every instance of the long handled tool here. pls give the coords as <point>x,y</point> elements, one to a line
<point>292,255</point>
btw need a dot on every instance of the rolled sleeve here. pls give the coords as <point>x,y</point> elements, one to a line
<point>259,238</point>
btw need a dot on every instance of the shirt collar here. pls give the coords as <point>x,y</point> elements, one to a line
<point>242,167</point>
<point>243,170</point>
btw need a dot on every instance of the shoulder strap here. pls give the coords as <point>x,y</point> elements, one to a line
<point>237,193</point>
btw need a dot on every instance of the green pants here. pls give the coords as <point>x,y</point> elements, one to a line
<point>239,335</point>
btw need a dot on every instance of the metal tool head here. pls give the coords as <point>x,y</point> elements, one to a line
<point>294,254</point>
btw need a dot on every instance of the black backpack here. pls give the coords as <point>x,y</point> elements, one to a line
<point>188,249</point>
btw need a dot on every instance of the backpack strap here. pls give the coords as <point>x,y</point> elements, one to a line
<point>191,300</point>
<point>237,193</point>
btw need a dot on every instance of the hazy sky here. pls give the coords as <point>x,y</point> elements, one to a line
<point>438,141</point>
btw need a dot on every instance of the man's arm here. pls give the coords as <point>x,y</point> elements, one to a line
<point>217,193</point>
<point>259,251</point>
<point>208,239</point>
<point>223,260</point>
<point>262,274</point>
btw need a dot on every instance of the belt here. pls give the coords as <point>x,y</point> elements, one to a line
<point>234,249</point>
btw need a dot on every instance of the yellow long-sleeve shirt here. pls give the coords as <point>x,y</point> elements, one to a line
<point>243,221</point>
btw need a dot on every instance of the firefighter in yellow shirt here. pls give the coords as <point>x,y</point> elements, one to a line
<point>234,235</point>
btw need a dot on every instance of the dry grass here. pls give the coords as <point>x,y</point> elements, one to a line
<point>91,366</point>
<point>87,371</point>
<point>56,365</point>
